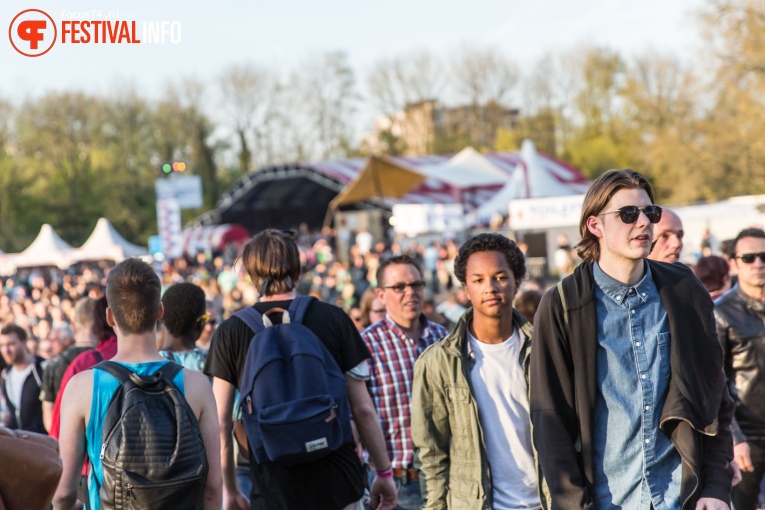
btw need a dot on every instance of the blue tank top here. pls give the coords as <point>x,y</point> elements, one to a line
<point>104,386</point>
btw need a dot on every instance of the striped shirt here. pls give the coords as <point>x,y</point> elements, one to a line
<point>392,371</point>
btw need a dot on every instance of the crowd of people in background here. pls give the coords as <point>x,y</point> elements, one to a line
<point>51,315</point>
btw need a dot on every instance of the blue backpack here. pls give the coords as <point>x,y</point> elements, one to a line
<point>294,400</point>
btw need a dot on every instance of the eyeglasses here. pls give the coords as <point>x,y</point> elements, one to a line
<point>399,288</point>
<point>629,213</point>
<point>748,258</point>
<point>204,318</point>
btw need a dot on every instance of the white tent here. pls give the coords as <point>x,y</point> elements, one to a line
<point>533,177</point>
<point>105,243</point>
<point>467,169</point>
<point>48,249</point>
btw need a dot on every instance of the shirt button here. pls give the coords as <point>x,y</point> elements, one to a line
<point>647,408</point>
<point>618,298</point>
<point>647,441</point>
<point>643,294</point>
<point>647,473</point>
<point>643,376</point>
<point>637,343</point>
<point>632,312</point>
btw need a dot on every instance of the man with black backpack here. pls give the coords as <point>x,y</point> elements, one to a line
<point>300,367</point>
<point>148,427</point>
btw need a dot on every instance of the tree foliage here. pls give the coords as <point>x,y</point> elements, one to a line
<point>697,130</point>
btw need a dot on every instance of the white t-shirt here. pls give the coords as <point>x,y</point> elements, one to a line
<point>503,409</point>
<point>16,384</point>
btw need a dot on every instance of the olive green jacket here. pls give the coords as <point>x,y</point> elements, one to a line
<point>449,448</point>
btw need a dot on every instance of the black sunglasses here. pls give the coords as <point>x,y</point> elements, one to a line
<point>629,213</point>
<point>748,258</point>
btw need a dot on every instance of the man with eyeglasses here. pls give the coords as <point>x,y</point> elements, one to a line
<point>395,343</point>
<point>628,401</point>
<point>740,315</point>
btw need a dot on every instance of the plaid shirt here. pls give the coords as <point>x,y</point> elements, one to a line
<point>392,370</point>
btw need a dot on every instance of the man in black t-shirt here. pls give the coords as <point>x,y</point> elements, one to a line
<point>332,482</point>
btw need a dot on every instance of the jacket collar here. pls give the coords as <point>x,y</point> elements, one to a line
<point>456,342</point>
<point>756,306</point>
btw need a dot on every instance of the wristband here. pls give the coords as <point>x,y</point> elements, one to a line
<point>388,473</point>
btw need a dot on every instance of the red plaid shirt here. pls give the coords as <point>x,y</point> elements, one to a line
<point>392,371</point>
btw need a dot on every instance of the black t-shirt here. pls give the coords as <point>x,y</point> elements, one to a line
<point>331,482</point>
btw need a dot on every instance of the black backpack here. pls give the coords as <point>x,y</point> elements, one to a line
<point>152,452</point>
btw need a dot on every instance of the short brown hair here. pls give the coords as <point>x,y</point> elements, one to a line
<point>14,329</point>
<point>272,260</point>
<point>133,294</point>
<point>85,312</point>
<point>392,261</point>
<point>596,199</point>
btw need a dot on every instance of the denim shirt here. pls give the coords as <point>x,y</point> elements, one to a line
<point>635,463</point>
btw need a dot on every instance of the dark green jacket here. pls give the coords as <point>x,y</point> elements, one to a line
<point>447,435</point>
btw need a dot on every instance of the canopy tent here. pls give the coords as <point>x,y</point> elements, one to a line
<point>105,243</point>
<point>284,196</point>
<point>535,176</point>
<point>48,249</point>
<point>212,238</point>
<point>383,177</point>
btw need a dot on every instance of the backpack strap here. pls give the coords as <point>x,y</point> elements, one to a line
<point>121,373</point>
<point>298,308</point>
<point>168,371</point>
<point>251,317</point>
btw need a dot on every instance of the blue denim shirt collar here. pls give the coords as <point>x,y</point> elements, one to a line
<point>618,291</point>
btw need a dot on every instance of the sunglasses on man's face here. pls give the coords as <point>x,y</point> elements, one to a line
<point>629,213</point>
<point>748,258</point>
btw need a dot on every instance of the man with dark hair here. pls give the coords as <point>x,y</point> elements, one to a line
<point>629,403</point>
<point>740,315</point>
<point>133,294</point>
<point>184,319</point>
<point>395,343</point>
<point>332,482</point>
<point>470,406</point>
<point>84,340</point>
<point>21,381</point>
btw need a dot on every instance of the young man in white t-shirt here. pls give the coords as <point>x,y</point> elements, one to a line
<point>470,408</point>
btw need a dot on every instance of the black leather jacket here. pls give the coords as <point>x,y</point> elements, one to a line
<point>741,330</point>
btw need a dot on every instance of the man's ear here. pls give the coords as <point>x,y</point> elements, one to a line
<point>594,226</point>
<point>110,317</point>
<point>380,293</point>
<point>161,311</point>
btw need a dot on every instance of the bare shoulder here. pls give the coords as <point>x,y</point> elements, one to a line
<point>81,383</point>
<point>78,395</point>
<point>198,390</point>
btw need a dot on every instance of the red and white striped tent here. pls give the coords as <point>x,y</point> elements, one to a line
<point>212,238</point>
<point>284,196</point>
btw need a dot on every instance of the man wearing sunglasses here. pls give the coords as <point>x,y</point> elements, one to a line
<point>395,343</point>
<point>740,315</point>
<point>628,398</point>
